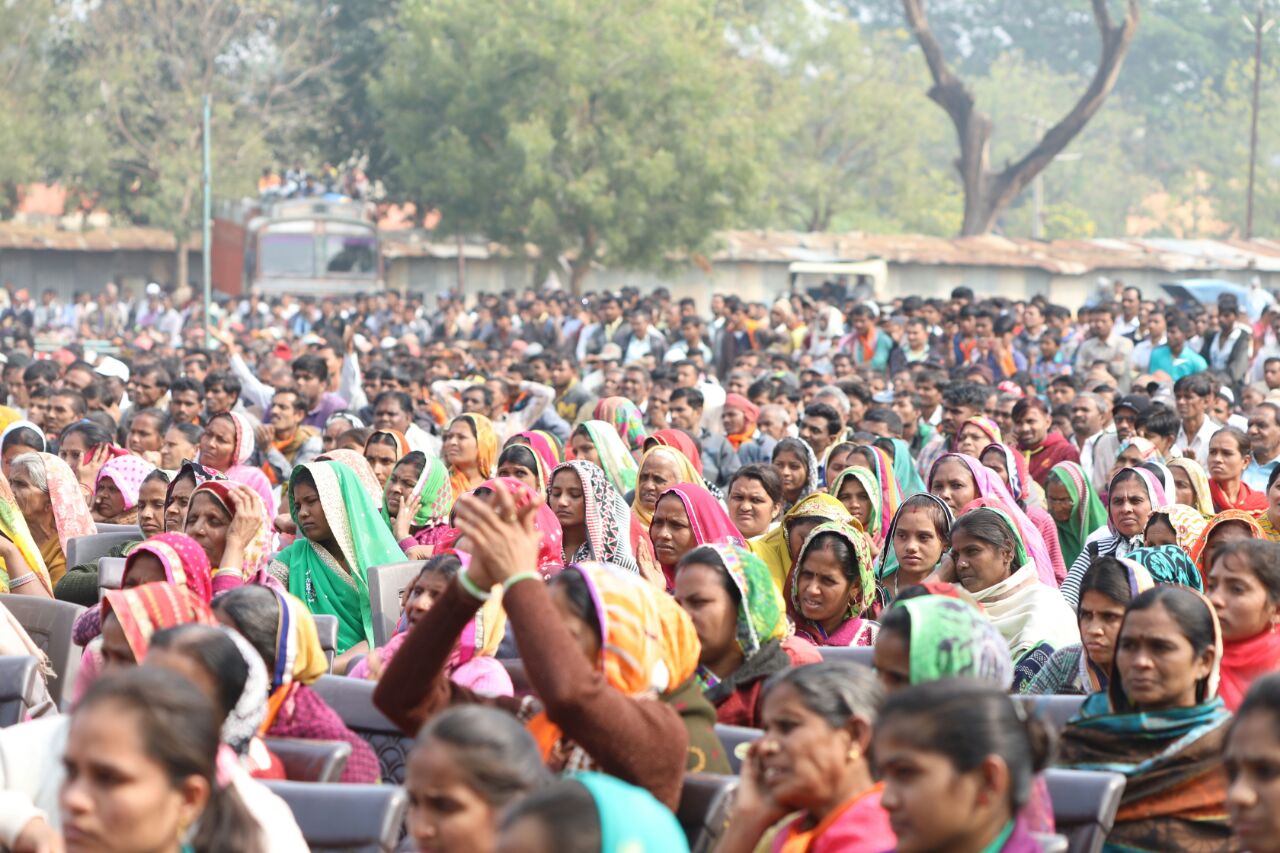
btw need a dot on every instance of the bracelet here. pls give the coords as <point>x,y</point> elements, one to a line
<point>520,576</point>
<point>16,583</point>
<point>221,572</point>
<point>406,543</point>
<point>474,591</point>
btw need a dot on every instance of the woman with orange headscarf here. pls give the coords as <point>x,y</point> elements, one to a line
<point>610,658</point>
<point>470,449</point>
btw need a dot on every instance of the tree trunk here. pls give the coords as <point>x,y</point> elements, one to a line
<point>581,265</point>
<point>183,263</point>
<point>987,194</point>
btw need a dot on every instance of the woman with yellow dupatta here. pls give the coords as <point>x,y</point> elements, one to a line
<point>282,631</point>
<point>470,449</point>
<point>780,547</point>
<point>22,569</point>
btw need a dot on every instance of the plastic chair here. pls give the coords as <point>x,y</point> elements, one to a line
<point>347,818</point>
<point>18,677</point>
<point>386,582</point>
<point>704,809</point>
<point>735,739</point>
<point>1085,803</point>
<point>310,760</point>
<point>87,549</point>
<point>110,574</point>
<point>49,622</point>
<point>854,654</point>
<point>1056,710</point>
<point>327,628</point>
<point>352,700</point>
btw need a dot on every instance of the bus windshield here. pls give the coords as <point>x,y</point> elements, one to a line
<point>349,250</point>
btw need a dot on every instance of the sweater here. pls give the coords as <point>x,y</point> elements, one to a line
<point>639,740</point>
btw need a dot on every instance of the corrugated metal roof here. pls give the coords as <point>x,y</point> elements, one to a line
<point>14,235</point>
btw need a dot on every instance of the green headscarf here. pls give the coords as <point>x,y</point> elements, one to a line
<point>904,469</point>
<point>364,540</point>
<point>433,493</point>
<point>951,639</point>
<point>615,460</point>
<point>631,819</point>
<point>861,547</point>
<point>761,610</point>
<point>875,522</point>
<point>1087,511</point>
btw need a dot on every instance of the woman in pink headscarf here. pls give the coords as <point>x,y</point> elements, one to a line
<point>1011,467</point>
<point>686,516</point>
<point>115,491</point>
<point>226,445</point>
<point>960,480</point>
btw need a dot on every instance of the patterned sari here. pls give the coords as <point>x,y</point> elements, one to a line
<point>626,419</point>
<point>855,630</point>
<point>1087,512</point>
<point>256,552</point>
<point>1200,551</point>
<point>608,520</point>
<point>315,576</point>
<point>616,461</point>
<point>145,609</point>
<point>774,547</point>
<point>127,473</point>
<point>184,561</point>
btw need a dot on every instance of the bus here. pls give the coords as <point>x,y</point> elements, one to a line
<point>314,247</point>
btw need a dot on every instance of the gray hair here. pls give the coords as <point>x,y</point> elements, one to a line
<point>836,396</point>
<point>1093,398</point>
<point>31,465</point>
<point>837,691</point>
<point>497,755</point>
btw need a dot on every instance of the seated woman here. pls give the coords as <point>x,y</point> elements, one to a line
<point>181,442</point>
<point>115,490</point>
<point>283,632</point>
<point>470,449</point>
<point>19,438</point>
<point>960,480</point>
<point>131,616</point>
<point>814,716</point>
<point>1251,754</point>
<point>229,523</point>
<point>519,462</point>
<point>661,467</point>
<point>590,811</point>
<point>472,663</point>
<point>958,761</point>
<point>991,563</point>
<point>1174,525</point>
<point>467,765</point>
<point>416,504</point>
<point>545,446</point>
<point>596,523</point>
<point>1074,506</point>
<point>22,569</point>
<point>838,459</point>
<point>1244,589</point>
<point>383,450</point>
<point>626,419</point>
<point>178,495</point>
<point>755,499</point>
<point>598,442</point>
<point>1229,454</point>
<point>918,536</point>
<point>781,545</point>
<point>1269,520</point>
<point>1084,667</point>
<point>833,588</point>
<point>146,434</point>
<point>798,468</point>
<point>1191,482</point>
<point>598,645</point>
<point>341,537</point>
<point>226,446</point>
<point>1131,496</point>
<point>1011,467</point>
<point>76,444</point>
<point>741,621</point>
<point>51,502</point>
<point>1161,724</point>
<point>685,517</point>
<point>1224,528</point>
<point>858,490</point>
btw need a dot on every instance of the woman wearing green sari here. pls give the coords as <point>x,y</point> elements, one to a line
<point>343,535</point>
<point>599,442</point>
<point>1075,508</point>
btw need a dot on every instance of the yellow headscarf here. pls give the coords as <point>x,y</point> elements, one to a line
<point>299,657</point>
<point>1199,484</point>
<point>486,451</point>
<point>773,547</point>
<point>685,473</point>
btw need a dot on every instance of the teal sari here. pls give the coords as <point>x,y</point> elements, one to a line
<point>312,574</point>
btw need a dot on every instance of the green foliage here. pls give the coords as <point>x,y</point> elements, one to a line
<point>612,131</point>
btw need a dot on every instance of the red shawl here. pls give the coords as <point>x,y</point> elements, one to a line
<point>1245,660</point>
<point>1246,499</point>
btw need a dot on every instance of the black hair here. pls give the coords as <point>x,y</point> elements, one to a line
<point>1243,444</point>
<point>44,369</point>
<point>191,432</point>
<point>988,526</point>
<point>1161,421</point>
<point>312,365</point>
<point>496,754</point>
<point>888,417</point>
<point>1263,695</point>
<point>405,401</point>
<point>78,405</point>
<point>692,396</point>
<point>94,434</point>
<point>705,555</point>
<point>382,436</point>
<point>1262,557</point>
<point>1275,475</point>
<point>841,549</point>
<point>518,454</point>
<point>828,413</point>
<point>1026,404</point>
<point>485,391</point>
<point>765,475</point>
<point>179,731</point>
<point>1197,384</point>
<point>941,522</point>
<point>579,595</point>
<point>156,370</point>
<point>159,475</point>
<point>254,611</point>
<point>966,721</point>
<point>160,416</point>
<point>215,652</point>
<point>1108,576</point>
<point>567,813</point>
<point>183,384</point>
<point>970,395</point>
<point>792,445</point>
<point>1193,616</point>
<point>25,437</point>
<point>224,379</point>
<point>417,459</point>
<point>298,404</point>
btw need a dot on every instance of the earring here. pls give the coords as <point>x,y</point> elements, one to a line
<point>855,752</point>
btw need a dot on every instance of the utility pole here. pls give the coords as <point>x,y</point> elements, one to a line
<point>206,250</point>
<point>1259,28</point>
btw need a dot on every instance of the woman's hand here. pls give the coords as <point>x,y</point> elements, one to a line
<point>402,526</point>
<point>504,540</point>
<point>247,512</point>
<point>16,567</point>
<point>90,465</point>
<point>421,552</point>
<point>754,809</point>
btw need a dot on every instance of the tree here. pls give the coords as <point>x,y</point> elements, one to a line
<point>27,29</point>
<point>141,69</point>
<point>987,193</point>
<point>599,131</point>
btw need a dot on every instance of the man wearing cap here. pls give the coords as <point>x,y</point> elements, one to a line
<point>1125,414</point>
<point>1264,437</point>
<point>738,417</point>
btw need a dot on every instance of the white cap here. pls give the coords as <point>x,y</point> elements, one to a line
<point>153,289</point>
<point>109,366</point>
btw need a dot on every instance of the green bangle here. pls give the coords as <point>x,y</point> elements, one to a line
<point>520,576</point>
<point>474,591</point>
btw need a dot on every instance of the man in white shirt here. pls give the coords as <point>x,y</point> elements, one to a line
<point>1156,337</point>
<point>1193,394</point>
<point>1126,325</point>
<point>1088,425</point>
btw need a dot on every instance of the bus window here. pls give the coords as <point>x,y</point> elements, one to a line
<point>350,253</point>
<point>287,254</point>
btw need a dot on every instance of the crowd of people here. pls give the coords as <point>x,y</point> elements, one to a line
<point>663,521</point>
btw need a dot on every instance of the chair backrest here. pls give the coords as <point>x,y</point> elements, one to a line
<point>327,628</point>
<point>18,675</point>
<point>704,809</point>
<point>49,623</point>
<point>110,574</point>
<point>1056,710</point>
<point>1085,803</point>
<point>310,760</point>
<point>352,700</point>
<point>385,584</point>
<point>853,654</point>
<point>735,740</point>
<point>87,549</point>
<point>347,818</point>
